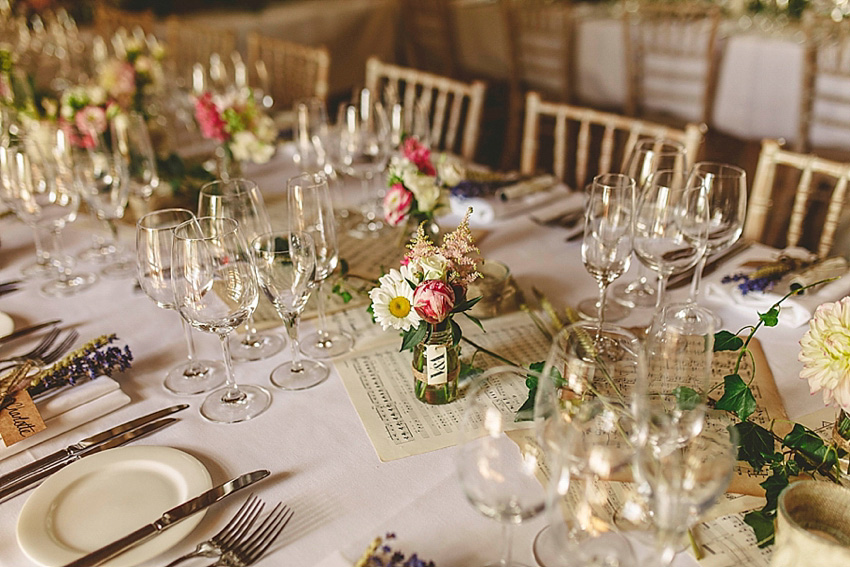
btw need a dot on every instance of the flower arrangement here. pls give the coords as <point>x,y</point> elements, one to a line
<point>419,190</point>
<point>421,297</point>
<point>130,79</point>
<point>233,120</point>
<point>825,353</point>
<point>84,113</point>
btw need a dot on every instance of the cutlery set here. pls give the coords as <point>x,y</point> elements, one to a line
<point>9,287</point>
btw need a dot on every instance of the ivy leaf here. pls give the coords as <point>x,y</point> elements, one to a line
<point>526,411</point>
<point>762,524</point>
<point>771,318</point>
<point>342,292</point>
<point>812,446</point>
<point>724,340</point>
<point>456,332</point>
<point>772,487</point>
<point>737,397</point>
<point>413,336</point>
<point>756,444</point>
<point>468,371</point>
<point>536,369</point>
<point>687,398</point>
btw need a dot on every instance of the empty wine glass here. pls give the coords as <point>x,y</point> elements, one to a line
<point>286,263</point>
<point>311,211</point>
<point>312,135</point>
<point>241,200</point>
<point>131,135</point>
<point>647,156</point>
<point>154,239</point>
<point>607,246</point>
<point>671,224</point>
<point>215,290</point>
<point>498,475</point>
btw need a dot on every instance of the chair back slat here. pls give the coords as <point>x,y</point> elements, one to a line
<point>295,71</point>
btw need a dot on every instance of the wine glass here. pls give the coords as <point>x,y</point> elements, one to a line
<point>647,156</point>
<point>130,132</point>
<point>241,200</point>
<point>607,246</point>
<point>671,224</point>
<point>312,133</point>
<point>286,263</point>
<point>727,202</point>
<point>154,239</point>
<point>311,211</point>
<point>584,412</point>
<point>215,290</point>
<point>498,475</point>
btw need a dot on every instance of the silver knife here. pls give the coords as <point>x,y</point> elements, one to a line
<point>680,280</point>
<point>27,330</point>
<point>68,453</point>
<point>23,484</point>
<point>168,519</point>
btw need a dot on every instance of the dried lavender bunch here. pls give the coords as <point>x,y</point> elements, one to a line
<point>380,554</point>
<point>766,276</point>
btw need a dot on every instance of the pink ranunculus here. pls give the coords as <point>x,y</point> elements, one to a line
<point>209,119</point>
<point>397,204</point>
<point>419,155</point>
<point>90,122</point>
<point>433,300</point>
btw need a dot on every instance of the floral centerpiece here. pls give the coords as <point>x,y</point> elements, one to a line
<point>419,190</point>
<point>131,79</point>
<point>233,120</point>
<point>420,299</point>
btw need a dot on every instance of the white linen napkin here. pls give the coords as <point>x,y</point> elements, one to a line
<point>70,409</point>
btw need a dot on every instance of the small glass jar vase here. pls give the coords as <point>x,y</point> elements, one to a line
<point>228,167</point>
<point>436,366</point>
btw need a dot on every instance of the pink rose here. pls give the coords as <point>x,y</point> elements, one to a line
<point>419,155</point>
<point>397,204</point>
<point>433,300</point>
<point>209,119</point>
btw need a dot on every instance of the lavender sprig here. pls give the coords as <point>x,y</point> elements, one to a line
<point>381,554</point>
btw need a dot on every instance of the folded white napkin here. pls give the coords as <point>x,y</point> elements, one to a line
<point>72,408</point>
<point>485,210</point>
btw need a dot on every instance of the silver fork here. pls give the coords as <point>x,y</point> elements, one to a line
<point>38,350</point>
<point>230,534</point>
<point>252,547</point>
<point>45,357</point>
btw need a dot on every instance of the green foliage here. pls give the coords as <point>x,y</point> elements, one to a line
<point>762,524</point>
<point>737,397</point>
<point>414,336</point>
<point>687,398</point>
<point>755,444</point>
<point>771,318</point>
<point>724,340</point>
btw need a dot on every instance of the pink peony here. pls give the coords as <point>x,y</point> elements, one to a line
<point>209,119</point>
<point>433,300</point>
<point>419,155</point>
<point>397,204</point>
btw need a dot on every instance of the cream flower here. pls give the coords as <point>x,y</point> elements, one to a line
<point>425,190</point>
<point>825,353</point>
<point>392,303</point>
<point>434,267</point>
<point>247,147</point>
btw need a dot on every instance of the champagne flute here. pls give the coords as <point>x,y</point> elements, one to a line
<point>607,246</point>
<point>646,157</point>
<point>131,135</point>
<point>671,225</point>
<point>312,134</point>
<point>286,263</point>
<point>154,239</point>
<point>241,200</point>
<point>498,476</point>
<point>215,290</point>
<point>311,211</point>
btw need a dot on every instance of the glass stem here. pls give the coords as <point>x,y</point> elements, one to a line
<point>232,394</point>
<point>190,341</point>
<point>251,332</point>
<point>113,233</point>
<point>600,307</point>
<point>696,280</point>
<point>662,288</point>
<point>62,262</point>
<point>508,545</point>
<point>323,322</point>
<point>42,256</point>
<point>291,322</point>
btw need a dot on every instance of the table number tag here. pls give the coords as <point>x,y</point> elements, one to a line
<point>20,419</point>
<point>438,367</point>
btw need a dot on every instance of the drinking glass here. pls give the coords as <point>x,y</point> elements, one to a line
<point>154,239</point>
<point>646,157</point>
<point>130,132</point>
<point>498,475</point>
<point>607,246</point>
<point>286,263</point>
<point>671,224</point>
<point>727,202</point>
<point>312,135</point>
<point>215,290</point>
<point>311,211</point>
<point>241,200</point>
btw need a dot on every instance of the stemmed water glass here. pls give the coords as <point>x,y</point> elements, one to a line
<point>498,476</point>
<point>671,224</point>
<point>607,246</point>
<point>131,135</point>
<point>215,290</point>
<point>647,156</point>
<point>311,211</point>
<point>154,239</point>
<point>312,135</point>
<point>286,264</point>
<point>241,200</point>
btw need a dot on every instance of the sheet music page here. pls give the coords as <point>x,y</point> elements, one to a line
<point>379,381</point>
<point>728,542</point>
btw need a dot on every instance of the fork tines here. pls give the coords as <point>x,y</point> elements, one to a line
<point>252,547</point>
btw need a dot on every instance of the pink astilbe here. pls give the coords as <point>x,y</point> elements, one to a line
<point>209,118</point>
<point>458,248</point>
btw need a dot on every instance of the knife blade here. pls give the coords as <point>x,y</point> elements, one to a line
<point>681,280</point>
<point>27,330</point>
<point>168,519</point>
<point>62,455</point>
<point>29,482</point>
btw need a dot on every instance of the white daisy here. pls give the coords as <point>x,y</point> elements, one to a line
<point>825,353</point>
<point>392,303</point>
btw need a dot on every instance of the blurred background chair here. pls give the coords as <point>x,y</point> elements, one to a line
<point>453,108</point>
<point>429,36</point>
<point>566,140</point>
<point>190,43</point>
<point>796,199</point>
<point>108,19</point>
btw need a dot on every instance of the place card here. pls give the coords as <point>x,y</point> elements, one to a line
<point>20,419</point>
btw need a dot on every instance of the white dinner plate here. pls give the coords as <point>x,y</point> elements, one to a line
<point>7,325</point>
<point>102,497</point>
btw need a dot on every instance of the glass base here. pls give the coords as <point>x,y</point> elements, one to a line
<point>252,401</point>
<point>99,253</point>
<point>551,549</point>
<point>122,268</point>
<point>638,293</point>
<point>74,284</point>
<point>312,374</point>
<point>38,270</point>
<point>256,346</point>
<point>613,311</point>
<point>326,345</point>
<point>195,377</point>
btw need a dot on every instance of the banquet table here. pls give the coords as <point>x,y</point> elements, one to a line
<point>322,462</point>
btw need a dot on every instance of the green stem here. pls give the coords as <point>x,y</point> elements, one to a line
<point>489,352</point>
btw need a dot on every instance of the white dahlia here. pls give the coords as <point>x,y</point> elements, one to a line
<point>825,353</point>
